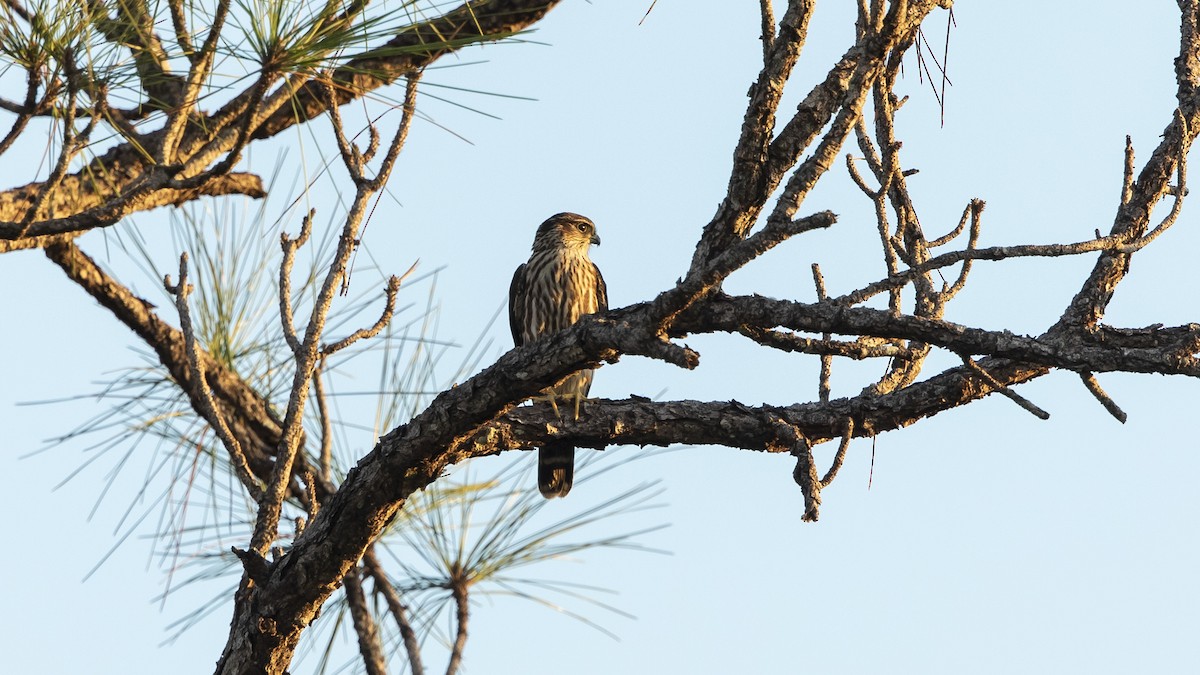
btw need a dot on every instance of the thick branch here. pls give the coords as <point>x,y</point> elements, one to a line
<point>414,48</point>
<point>85,201</point>
<point>82,200</point>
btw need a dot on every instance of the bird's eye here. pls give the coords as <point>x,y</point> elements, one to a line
<point>584,227</point>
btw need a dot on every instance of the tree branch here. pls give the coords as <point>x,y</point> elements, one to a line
<point>369,647</point>
<point>204,397</point>
<point>132,184</point>
<point>399,612</point>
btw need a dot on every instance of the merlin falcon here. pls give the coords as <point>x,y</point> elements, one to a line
<point>558,285</point>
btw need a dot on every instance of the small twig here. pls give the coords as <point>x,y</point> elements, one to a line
<point>898,280</point>
<point>289,246</point>
<point>840,456</point>
<point>326,458</point>
<point>1093,386</point>
<point>408,111</point>
<point>768,27</point>
<point>389,309</point>
<point>1127,181</point>
<point>1179,192</point>
<point>310,492</point>
<point>202,394</point>
<point>867,146</point>
<point>823,386</point>
<point>975,210</point>
<point>819,282</point>
<point>257,568</point>
<point>858,179</point>
<point>23,117</point>
<point>72,143</point>
<point>879,198</point>
<point>1013,396</point>
<point>958,229</point>
<point>352,158</point>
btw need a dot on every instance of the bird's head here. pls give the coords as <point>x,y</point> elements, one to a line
<point>569,231</point>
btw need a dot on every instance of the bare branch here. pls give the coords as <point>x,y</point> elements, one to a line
<point>183,37</point>
<point>23,116</point>
<point>1138,200</point>
<point>458,589</point>
<point>840,456</point>
<point>974,210</point>
<point>369,647</point>
<point>1171,352</point>
<point>860,349</point>
<point>397,609</point>
<point>823,386</point>
<point>256,567</point>
<point>1008,393</point>
<point>385,317</point>
<point>1178,192</point>
<point>750,182</point>
<point>326,453</point>
<point>307,356</point>
<point>151,194</point>
<point>200,69</point>
<point>901,279</point>
<point>789,439</point>
<point>958,229</point>
<point>207,407</point>
<point>290,246</point>
<point>1093,387</point>
<point>768,28</point>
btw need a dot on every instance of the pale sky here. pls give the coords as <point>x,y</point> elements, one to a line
<point>988,541</point>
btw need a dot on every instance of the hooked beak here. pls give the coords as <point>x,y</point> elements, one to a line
<point>596,239</point>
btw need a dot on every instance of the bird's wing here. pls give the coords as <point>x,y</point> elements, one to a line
<point>601,291</point>
<point>516,319</point>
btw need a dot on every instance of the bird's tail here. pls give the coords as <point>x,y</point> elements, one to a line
<point>556,470</point>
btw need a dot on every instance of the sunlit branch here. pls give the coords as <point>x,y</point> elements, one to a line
<point>1008,393</point>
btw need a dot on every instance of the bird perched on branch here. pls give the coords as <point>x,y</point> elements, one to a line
<point>558,285</point>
